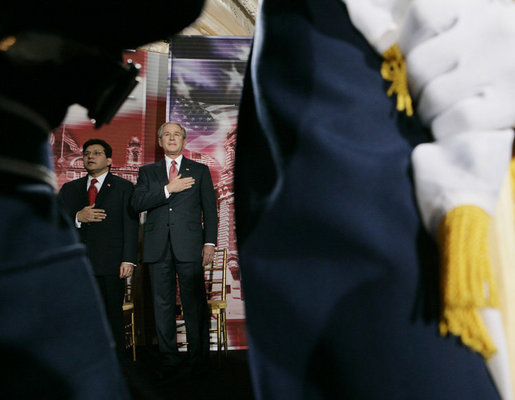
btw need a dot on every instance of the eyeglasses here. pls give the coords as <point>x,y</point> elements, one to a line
<point>92,153</point>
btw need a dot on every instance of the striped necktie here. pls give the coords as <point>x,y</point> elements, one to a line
<point>92,191</point>
<point>173,170</point>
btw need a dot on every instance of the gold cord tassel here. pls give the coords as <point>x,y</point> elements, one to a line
<point>7,42</point>
<point>393,69</point>
<point>467,281</point>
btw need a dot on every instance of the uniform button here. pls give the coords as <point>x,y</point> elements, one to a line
<point>169,209</point>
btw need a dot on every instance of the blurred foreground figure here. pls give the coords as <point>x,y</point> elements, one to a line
<point>54,337</point>
<point>364,263</point>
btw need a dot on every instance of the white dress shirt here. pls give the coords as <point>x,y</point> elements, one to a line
<point>168,161</point>
<point>100,181</point>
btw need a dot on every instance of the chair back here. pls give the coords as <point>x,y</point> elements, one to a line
<point>128,310</point>
<point>129,293</point>
<point>215,276</point>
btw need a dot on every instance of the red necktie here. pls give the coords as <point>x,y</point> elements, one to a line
<point>173,171</point>
<point>92,192</point>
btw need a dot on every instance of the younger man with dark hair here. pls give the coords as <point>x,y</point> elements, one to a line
<point>107,225</point>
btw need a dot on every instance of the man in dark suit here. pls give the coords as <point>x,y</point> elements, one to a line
<point>180,235</point>
<point>99,203</point>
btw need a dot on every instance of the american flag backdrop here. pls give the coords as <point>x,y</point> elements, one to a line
<point>205,84</point>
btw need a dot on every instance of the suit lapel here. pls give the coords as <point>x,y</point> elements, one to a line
<point>185,169</point>
<point>104,190</point>
<point>83,182</point>
<point>161,172</point>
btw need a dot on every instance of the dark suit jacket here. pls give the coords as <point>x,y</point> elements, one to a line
<point>190,217</point>
<point>113,240</point>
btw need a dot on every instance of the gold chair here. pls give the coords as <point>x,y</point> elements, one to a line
<point>128,314</point>
<point>215,280</point>
<point>215,276</point>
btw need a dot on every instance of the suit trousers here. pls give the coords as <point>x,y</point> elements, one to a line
<point>112,289</point>
<point>194,304</point>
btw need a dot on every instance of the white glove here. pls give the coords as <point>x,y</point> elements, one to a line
<point>460,57</point>
<point>461,169</point>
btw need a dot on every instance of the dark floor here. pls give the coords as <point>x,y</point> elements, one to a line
<point>230,381</point>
